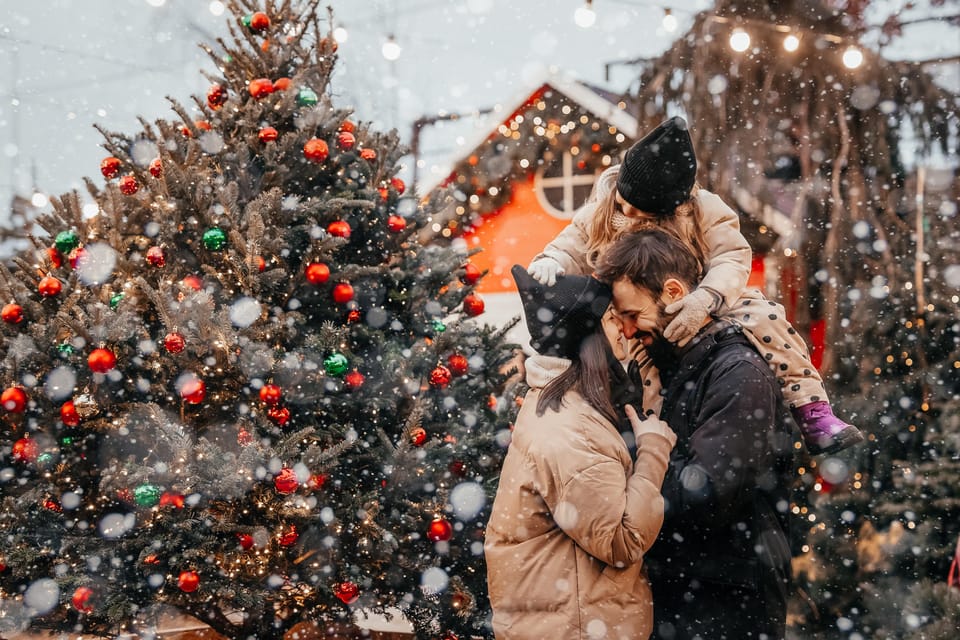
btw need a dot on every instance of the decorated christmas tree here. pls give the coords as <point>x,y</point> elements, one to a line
<point>242,389</point>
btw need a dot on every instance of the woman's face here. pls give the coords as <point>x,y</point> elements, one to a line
<point>631,211</point>
<point>613,329</point>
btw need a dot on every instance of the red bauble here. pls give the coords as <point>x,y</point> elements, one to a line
<point>316,150</point>
<point>55,258</point>
<point>384,192</point>
<point>101,360</point>
<point>216,96</point>
<point>339,228</point>
<point>396,223</point>
<point>244,438</point>
<point>267,134</point>
<point>458,364</point>
<point>174,342</point>
<point>398,184</point>
<point>317,273</point>
<point>471,273</point>
<point>281,84</point>
<point>25,450</point>
<point>354,380</point>
<point>353,316</point>
<point>193,391</point>
<point>12,313</point>
<point>473,304</point>
<point>457,468</point>
<point>418,436</point>
<point>316,481</point>
<point>261,264</point>
<point>156,167</point>
<point>279,415</point>
<point>68,414</point>
<point>245,540</point>
<point>439,530</point>
<point>368,154</point>
<point>188,581</point>
<point>155,256</point>
<point>286,481</point>
<point>347,592</point>
<point>49,286</point>
<point>348,126</point>
<point>192,282</point>
<point>346,140</point>
<point>110,167</point>
<point>14,399</point>
<point>289,536</point>
<point>81,599</point>
<point>128,185</point>
<point>261,87</point>
<point>259,21</point>
<point>203,125</point>
<point>171,499</point>
<point>270,393</point>
<point>440,376</point>
<point>76,255</point>
<point>342,293</point>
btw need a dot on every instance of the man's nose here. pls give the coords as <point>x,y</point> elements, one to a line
<point>628,328</point>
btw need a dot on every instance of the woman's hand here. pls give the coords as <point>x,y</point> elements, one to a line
<point>649,425</point>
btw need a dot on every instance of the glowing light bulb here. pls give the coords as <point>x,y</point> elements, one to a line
<point>391,49</point>
<point>791,43</point>
<point>217,8</point>
<point>670,23</point>
<point>39,200</point>
<point>340,34</point>
<point>585,16</point>
<point>739,40</point>
<point>852,57</point>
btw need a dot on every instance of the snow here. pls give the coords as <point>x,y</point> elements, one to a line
<point>60,383</point>
<point>42,596</point>
<point>115,525</point>
<point>97,263</point>
<point>245,311</point>
<point>467,500</point>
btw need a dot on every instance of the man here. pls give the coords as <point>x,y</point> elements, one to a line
<point>721,566</point>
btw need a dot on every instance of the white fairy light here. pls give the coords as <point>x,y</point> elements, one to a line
<point>391,48</point>
<point>739,40</point>
<point>852,57</point>
<point>585,16</point>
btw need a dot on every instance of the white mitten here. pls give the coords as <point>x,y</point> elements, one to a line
<point>691,310</point>
<point>649,425</point>
<point>545,271</point>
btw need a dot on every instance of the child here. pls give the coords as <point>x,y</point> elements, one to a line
<point>656,185</point>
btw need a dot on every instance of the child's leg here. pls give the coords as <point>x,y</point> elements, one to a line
<point>765,324</point>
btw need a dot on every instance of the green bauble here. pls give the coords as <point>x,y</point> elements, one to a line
<point>67,441</point>
<point>46,459</point>
<point>115,300</point>
<point>66,241</point>
<point>307,97</point>
<point>336,364</point>
<point>247,20</point>
<point>65,349</point>
<point>214,239</point>
<point>438,326</point>
<point>147,495</point>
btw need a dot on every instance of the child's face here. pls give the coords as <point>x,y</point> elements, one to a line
<point>631,211</point>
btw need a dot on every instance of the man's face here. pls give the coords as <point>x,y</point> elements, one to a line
<point>641,315</point>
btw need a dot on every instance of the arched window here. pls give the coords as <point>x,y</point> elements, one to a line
<point>561,187</point>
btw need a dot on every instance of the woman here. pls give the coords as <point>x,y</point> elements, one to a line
<point>574,514</point>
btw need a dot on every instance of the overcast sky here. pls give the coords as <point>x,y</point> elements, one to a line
<point>67,64</point>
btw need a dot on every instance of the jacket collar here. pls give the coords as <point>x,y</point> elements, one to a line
<point>695,352</point>
<point>541,370</point>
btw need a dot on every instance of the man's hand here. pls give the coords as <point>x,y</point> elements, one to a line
<point>649,425</point>
<point>692,310</point>
<point>545,271</point>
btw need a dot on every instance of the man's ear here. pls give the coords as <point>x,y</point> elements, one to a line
<point>673,290</point>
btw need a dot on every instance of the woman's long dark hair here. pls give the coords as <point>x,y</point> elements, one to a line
<point>589,374</point>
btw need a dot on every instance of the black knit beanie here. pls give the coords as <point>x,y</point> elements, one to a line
<point>561,316</point>
<point>659,170</point>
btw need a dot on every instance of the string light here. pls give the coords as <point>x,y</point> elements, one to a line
<point>391,48</point>
<point>585,16</point>
<point>791,43</point>
<point>340,34</point>
<point>670,23</point>
<point>852,57</point>
<point>739,40</point>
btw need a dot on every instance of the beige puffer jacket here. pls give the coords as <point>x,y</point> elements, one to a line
<point>571,521</point>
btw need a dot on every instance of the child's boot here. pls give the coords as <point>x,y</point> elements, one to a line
<point>822,431</point>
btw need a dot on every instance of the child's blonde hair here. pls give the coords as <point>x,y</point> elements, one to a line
<point>684,222</point>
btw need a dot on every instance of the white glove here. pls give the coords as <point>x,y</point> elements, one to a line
<point>692,309</point>
<point>649,425</point>
<point>545,271</point>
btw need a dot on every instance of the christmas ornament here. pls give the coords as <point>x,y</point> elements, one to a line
<point>245,540</point>
<point>49,286</point>
<point>101,360</point>
<point>156,167</point>
<point>353,316</point>
<point>267,134</point>
<point>438,326</point>
<point>259,21</point>
<point>261,264</point>
<point>279,415</point>
<point>457,468</point>
<point>317,273</point>
<point>339,228</point>
<point>214,239</point>
<point>329,44</point>
<point>306,97</point>
<point>260,87</point>
<point>173,342</point>
<point>316,481</point>
<point>155,256</point>
<point>12,313</point>
<point>68,414</point>
<point>25,450</point>
<point>458,364</point>
<point>336,364</point>
<point>270,394</point>
<point>418,436</point>
<point>128,185</point>
<point>288,537</point>
<point>354,380</point>
<point>368,154</point>
<point>216,96</point>
<point>286,481</point>
<point>384,192</point>
<point>55,258</point>
<point>192,282</point>
<point>110,167</point>
<point>76,257</point>
<point>193,391</point>
<point>203,125</point>
<point>171,499</point>
<point>115,300</point>
<point>147,495</point>
<point>86,406</point>
<point>188,581</point>
<point>348,126</point>
<point>281,84</point>
<point>439,530</point>
<point>66,241</point>
<point>396,223</point>
<point>346,140</point>
<point>471,273</point>
<point>316,150</point>
<point>440,377</point>
<point>398,185</point>
<point>52,505</point>
<point>81,599</point>
<point>347,592</point>
<point>473,304</point>
<point>342,293</point>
